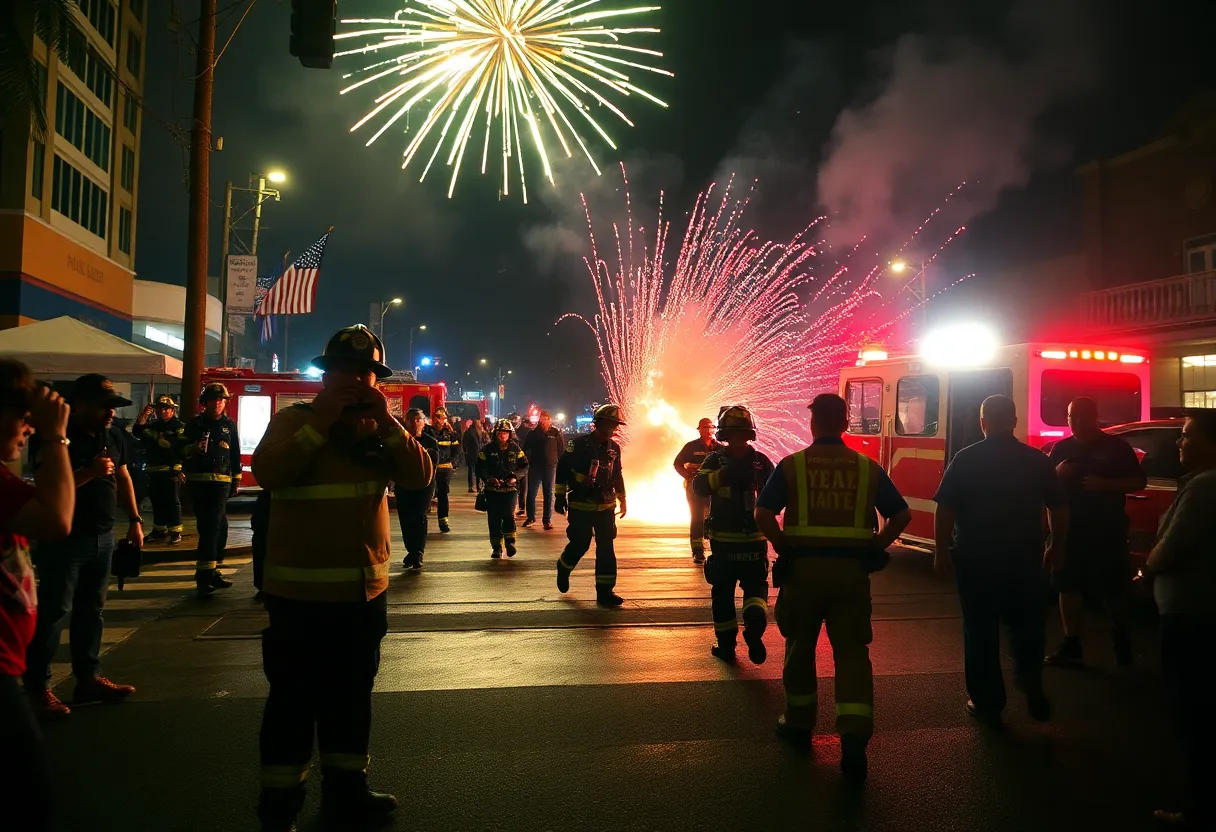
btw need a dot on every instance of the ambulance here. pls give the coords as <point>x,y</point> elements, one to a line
<point>912,413</point>
<point>258,396</point>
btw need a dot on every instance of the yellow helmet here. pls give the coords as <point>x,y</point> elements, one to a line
<point>214,390</point>
<point>608,413</point>
<point>504,426</point>
<point>166,401</point>
<point>736,418</point>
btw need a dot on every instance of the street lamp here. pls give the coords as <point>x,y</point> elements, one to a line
<point>261,194</point>
<point>918,286</point>
<point>385,305</point>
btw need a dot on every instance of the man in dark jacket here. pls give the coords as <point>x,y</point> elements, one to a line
<point>470,445</point>
<point>412,506</point>
<point>544,446</point>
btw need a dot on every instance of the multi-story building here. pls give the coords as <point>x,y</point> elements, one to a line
<point>68,215</point>
<point>1150,254</point>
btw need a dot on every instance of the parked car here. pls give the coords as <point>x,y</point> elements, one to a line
<point>1156,445</point>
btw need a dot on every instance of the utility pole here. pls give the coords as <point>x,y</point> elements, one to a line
<point>195,350</point>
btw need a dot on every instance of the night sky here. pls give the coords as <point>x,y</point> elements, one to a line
<point>878,109</point>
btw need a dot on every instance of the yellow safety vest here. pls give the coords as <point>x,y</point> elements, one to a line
<point>832,491</point>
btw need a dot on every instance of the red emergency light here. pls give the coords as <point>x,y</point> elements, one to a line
<point>1092,355</point>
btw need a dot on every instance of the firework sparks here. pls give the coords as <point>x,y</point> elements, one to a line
<point>526,67</point>
<point>738,320</point>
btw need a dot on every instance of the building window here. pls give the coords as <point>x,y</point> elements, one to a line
<point>101,14</point>
<point>124,230</point>
<point>76,122</point>
<point>79,198</point>
<point>40,70</point>
<point>137,9</point>
<point>37,168</point>
<point>1199,381</point>
<point>916,406</point>
<point>865,406</point>
<point>133,53</point>
<point>1201,254</point>
<point>1199,398</point>
<point>130,113</point>
<point>88,66</point>
<point>128,169</point>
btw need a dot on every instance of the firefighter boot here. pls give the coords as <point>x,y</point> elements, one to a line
<point>346,801</point>
<point>278,808</point>
<point>563,578</point>
<point>511,547</point>
<point>698,555</point>
<point>443,524</point>
<point>207,581</point>
<point>853,758</point>
<point>754,621</point>
<point>724,650</point>
<point>608,598</point>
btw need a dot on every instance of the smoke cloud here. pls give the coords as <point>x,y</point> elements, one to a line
<point>955,110</point>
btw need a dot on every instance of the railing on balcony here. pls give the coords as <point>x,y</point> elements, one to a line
<point>1187,298</point>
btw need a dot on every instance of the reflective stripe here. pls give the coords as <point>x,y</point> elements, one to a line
<point>159,469</point>
<point>205,565</point>
<point>844,532</point>
<point>715,480</point>
<point>283,777</point>
<point>330,491</point>
<point>592,506</point>
<point>735,537</point>
<point>801,700</point>
<point>444,465</point>
<point>345,762</point>
<point>177,529</point>
<point>327,574</point>
<point>560,488</point>
<point>561,564</point>
<point>605,579</point>
<point>209,477</point>
<point>308,436</point>
<point>725,626</point>
<point>395,440</point>
<point>748,603</point>
<point>854,709</point>
<point>860,530</point>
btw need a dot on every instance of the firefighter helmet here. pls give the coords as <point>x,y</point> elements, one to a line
<point>608,413</point>
<point>441,411</point>
<point>355,343</point>
<point>504,426</point>
<point>736,418</point>
<point>166,401</point>
<point>214,390</point>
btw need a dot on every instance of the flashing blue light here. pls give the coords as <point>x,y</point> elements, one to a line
<point>312,372</point>
<point>426,361</point>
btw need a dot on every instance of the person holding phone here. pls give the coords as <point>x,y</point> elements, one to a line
<point>74,573</point>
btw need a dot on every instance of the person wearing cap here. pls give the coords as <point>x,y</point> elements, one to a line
<point>74,573</point>
<point>826,548</point>
<point>590,484</point>
<point>687,463</point>
<point>413,506</point>
<point>729,479</point>
<point>162,438</point>
<point>448,443</point>
<point>470,446</point>
<point>501,463</point>
<point>327,464</point>
<point>211,458</point>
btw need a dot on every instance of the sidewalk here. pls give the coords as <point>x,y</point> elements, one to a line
<point>240,541</point>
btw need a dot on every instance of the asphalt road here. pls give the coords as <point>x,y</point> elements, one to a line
<point>502,705</point>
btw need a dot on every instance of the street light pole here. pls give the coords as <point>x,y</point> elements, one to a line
<point>257,215</point>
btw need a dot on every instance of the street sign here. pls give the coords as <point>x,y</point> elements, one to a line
<point>242,283</point>
<point>236,324</point>
<point>502,391</point>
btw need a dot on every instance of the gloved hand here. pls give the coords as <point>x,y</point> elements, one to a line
<point>559,503</point>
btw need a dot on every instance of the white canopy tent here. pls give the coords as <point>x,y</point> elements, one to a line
<point>64,348</point>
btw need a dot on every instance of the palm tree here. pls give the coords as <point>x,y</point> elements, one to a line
<point>20,90</point>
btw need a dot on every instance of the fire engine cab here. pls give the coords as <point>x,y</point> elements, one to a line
<point>258,396</point>
<point>911,414</point>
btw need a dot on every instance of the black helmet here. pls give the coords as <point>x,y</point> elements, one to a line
<point>736,418</point>
<point>608,413</point>
<point>357,343</point>
<point>214,390</point>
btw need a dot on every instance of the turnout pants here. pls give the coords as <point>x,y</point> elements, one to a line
<point>988,599</point>
<point>164,487</point>
<point>834,591</point>
<point>724,570</point>
<point>321,659</point>
<point>500,512</point>
<point>1186,644</point>
<point>698,509</point>
<point>211,512</point>
<point>583,526</point>
<point>443,486</point>
<point>412,507</point>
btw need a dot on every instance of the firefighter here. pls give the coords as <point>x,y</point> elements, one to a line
<point>327,464</point>
<point>687,463</point>
<point>162,438</point>
<point>826,547</point>
<point>413,507</point>
<point>502,464</point>
<point>211,458</point>
<point>448,440</point>
<point>729,479</point>
<point>590,484</point>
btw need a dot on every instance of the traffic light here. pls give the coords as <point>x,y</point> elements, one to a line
<point>313,23</point>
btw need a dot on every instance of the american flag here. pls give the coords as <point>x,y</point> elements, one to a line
<point>296,291</point>
<point>263,286</point>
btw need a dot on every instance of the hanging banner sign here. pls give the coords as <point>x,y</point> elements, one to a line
<point>242,283</point>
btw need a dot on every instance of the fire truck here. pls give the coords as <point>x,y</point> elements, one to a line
<point>258,396</point>
<point>911,414</point>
